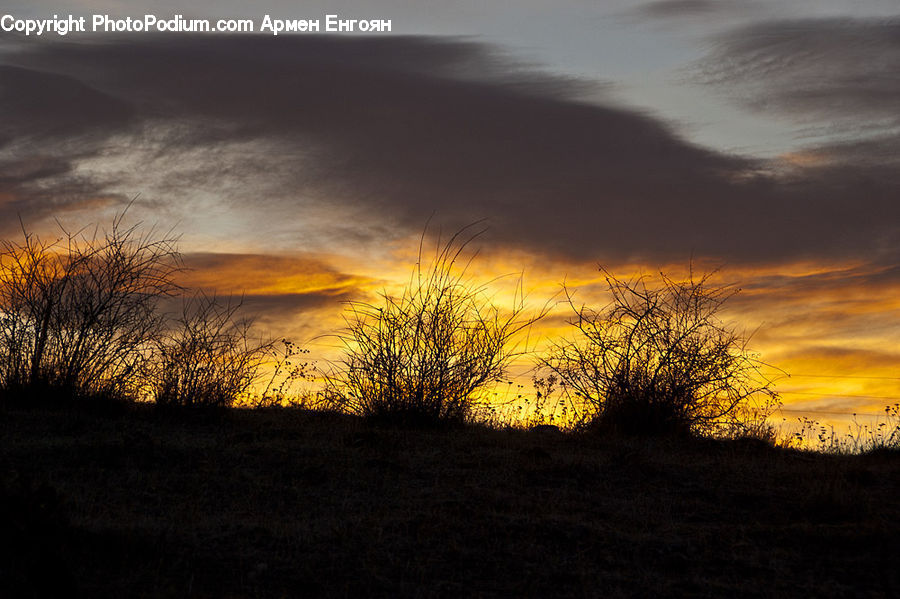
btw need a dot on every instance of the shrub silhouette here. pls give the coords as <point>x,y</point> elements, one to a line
<point>209,359</point>
<point>423,356</point>
<point>78,315</point>
<point>658,360</point>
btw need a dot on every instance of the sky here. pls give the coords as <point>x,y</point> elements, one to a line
<point>758,137</point>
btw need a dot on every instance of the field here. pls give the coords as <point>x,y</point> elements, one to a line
<point>131,500</point>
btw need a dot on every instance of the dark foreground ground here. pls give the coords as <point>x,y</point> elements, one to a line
<point>133,502</point>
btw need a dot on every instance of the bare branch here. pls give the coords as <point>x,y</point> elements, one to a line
<point>428,353</point>
<point>659,359</point>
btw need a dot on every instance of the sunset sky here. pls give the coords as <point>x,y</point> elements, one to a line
<point>758,136</point>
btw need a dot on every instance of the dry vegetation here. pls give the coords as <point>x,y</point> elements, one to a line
<point>659,360</point>
<point>81,317</point>
<point>209,358</point>
<point>428,354</point>
<point>78,316</point>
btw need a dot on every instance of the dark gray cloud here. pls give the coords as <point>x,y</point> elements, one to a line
<point>41,185</point>
<point>701,13</point>
<point>680,8</point>
<point>44,106</point>
<point>283,308</point>
<point>49,122</point>
<point>879,282</point>
<point>838,80</point>
<point>816,70</point>
<point>395,129</point>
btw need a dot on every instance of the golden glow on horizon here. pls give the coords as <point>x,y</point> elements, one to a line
<point>268,275</point>
<point>808,319</point>
<point>832,326</point>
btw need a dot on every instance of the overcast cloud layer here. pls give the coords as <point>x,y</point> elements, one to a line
<point>394,129</point>
<point>838,77</point>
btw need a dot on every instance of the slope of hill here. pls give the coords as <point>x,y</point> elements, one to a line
<point>131,501</point>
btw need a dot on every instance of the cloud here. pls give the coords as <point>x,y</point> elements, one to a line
<point>666,9</point>
<point>41,186</point>
<point>814,70</point>
<point>51,121</point>
<point>298,296</point>
<point>838,81</point>
<point>699,15</point>
<point>49,106</point>
<point>261,274</point>
<point>843,360</point>
<point>381,133</point>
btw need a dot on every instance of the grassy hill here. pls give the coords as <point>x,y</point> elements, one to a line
<point>116,501</point>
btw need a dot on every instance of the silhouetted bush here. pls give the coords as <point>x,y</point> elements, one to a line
<point>658,360</point>
<point>882,434</point>
<point>425,355</point>
<point>78,316</point>
<point>208,359</point>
